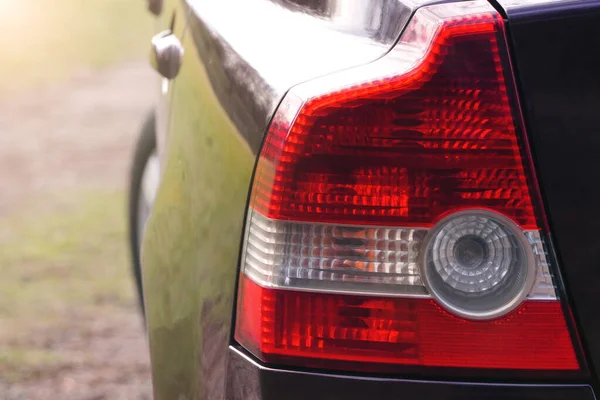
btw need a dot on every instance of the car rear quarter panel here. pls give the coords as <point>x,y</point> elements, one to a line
<point>555,47</point>
<point>241,56</point>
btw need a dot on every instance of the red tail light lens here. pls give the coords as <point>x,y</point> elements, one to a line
<point>301,328</point>
<point>406,140</point>
<point>391,220</point>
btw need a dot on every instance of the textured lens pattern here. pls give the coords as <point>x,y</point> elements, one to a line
<point>344,258</point>
<point>543,288</point>
<point>474,254</point>
<point>285,326</point>
<point>400,149</point>
<point>356,172</point>
<point>479,264</point>
<point>334,256</point>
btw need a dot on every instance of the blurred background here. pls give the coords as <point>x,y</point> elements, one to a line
<point>75,87</point>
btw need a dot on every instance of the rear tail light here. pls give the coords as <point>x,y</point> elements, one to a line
<point>391,220</point>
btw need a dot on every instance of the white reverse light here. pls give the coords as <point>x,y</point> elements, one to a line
<point>478,264</point>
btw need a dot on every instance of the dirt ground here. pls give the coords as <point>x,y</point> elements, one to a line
<point>74,134</point>
<point>56,143</point>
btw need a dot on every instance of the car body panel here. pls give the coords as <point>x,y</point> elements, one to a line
<point>192,238</point>
<point>252,62</point>
<point>220,106</point>
<point>556,53</point>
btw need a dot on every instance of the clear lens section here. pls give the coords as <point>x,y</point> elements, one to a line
<point>475,254</point>
<point>379,260</point>
<point>543,288</point>
<point>479,264</point>
<point>333,257</point>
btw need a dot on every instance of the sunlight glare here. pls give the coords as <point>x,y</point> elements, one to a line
<point>10,9</point>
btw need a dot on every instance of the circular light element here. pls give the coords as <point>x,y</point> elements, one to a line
<point>477,264</point>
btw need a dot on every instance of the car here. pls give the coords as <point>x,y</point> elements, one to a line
<point>371,199</point>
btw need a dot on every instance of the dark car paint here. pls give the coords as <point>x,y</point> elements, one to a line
<point>251,381</point>
<point>235,71</point>
<point>251,63</point>
<point>241,58</point>
<point>556,51</point>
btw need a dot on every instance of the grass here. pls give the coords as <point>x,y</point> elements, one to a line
<point>66,262</point>
<point>48,40</point>
<point>76,255</point>
<point>68,257</point>
<point>17,363</point>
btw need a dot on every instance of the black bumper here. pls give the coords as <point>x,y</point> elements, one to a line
<point>248,380</point>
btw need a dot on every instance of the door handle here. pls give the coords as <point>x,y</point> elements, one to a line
<point>167,54</point>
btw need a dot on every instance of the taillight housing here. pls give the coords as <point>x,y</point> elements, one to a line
<point>392,218</point>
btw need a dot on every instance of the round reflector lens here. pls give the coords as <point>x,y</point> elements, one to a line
<point>478,264</point>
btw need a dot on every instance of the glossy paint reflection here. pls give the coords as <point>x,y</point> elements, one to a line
<point>241,56</point>
<point>252,62</point>
<point>192,240</point>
